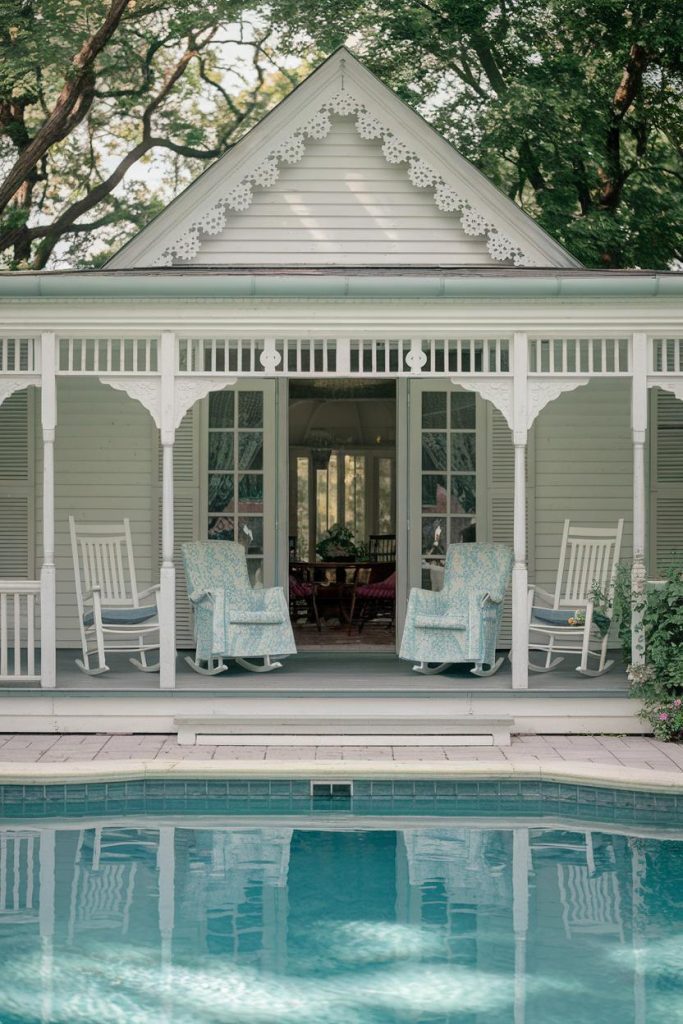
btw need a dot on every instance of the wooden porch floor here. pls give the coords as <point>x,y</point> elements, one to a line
<point>329,673</point>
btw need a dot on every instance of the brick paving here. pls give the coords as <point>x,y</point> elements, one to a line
<point>631,752</point>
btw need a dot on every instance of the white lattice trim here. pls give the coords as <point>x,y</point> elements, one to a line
<point>394,150</point>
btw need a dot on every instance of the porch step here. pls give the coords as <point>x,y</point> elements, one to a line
<point>350,730</point>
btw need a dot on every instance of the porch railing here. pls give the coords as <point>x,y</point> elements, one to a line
<point>18,630</point>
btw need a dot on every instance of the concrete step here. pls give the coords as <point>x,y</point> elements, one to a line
<point>347,729</point>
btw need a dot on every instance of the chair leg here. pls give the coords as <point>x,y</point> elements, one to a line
<point>213,666</point>
<point>424,669</point>
<point>603,665</point>
<point>84,665</point>
<point>141,662</point>
<point>478,670</point>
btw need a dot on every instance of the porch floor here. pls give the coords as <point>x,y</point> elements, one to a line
<point>341,672</point>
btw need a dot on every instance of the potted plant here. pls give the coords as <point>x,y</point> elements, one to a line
<point>338,545</point>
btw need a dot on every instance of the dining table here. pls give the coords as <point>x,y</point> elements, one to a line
<point>334,580</point>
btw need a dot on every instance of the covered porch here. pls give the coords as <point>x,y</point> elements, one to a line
<point>518,374</point>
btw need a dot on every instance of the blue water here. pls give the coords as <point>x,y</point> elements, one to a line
<point>315,923</point>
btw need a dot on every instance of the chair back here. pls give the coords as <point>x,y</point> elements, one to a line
<point>103,557</point>
<point>478,566</point>
<point>215,564</point>
<point>589,556</point>
<point>382,547</point>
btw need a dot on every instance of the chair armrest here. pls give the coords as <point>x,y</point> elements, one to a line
<point>489,597</point>
<point>89,595</point>
<point>200,597</point>
<point>150,590</point>
<point>427,602</point>
<point>533,590</point>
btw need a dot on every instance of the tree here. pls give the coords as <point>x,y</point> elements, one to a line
<point>107,108</point>
<point>572,109</point>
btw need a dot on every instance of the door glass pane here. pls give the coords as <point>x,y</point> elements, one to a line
<point>434,410</point>
<point>221,450</point>
<point>434,450</point>
<point>463,452</point>
<point>250,493</point>
<point>250,448</point>
<point>434,492</point>
<point>222,409</point>
<point>221,528</point>
<point>250,409</point>
<point>221,492</point>
<point>326,495</point>
<point>251,534</point>
<point>463,530</point>
<point>463,410</point>
<point>463,494</point>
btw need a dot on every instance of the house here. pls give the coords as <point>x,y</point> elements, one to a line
<point>341,255</point>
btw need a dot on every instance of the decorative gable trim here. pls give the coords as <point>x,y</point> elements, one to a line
<point>395,150</point>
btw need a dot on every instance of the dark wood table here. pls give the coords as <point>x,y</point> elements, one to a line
<point>335,582</point>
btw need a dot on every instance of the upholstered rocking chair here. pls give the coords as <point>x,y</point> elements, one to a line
<point>460,623</point>
<point>232,619</point>
<point>113,615</point>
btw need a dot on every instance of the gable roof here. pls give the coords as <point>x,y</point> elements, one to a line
<point>342,88</point>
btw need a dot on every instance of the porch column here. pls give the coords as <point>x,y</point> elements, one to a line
<point>639,433</point>
<point>520,576</point>
<point>167,652</point>
<point>48,572</point>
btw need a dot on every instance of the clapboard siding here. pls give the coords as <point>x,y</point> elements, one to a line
<point>583,463</point>
<point>104,471</point>
<point>342,204</point>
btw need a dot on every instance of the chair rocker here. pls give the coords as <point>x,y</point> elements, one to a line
<point>460,623</point>
<point>232,619</point>
<point>110,606</point>
<point>566,622</point>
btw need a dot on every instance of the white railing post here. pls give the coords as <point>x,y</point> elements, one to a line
<point>48,572</point>
<point>520,576</point>
<point>167,652</point>
<point>639,364</point>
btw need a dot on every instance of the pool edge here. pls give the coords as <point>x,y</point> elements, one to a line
<point>580,772</point>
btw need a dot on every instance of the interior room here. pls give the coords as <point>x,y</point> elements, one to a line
<point>342,512</point>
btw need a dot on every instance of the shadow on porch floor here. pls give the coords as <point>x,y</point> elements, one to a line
<point>341,671</point>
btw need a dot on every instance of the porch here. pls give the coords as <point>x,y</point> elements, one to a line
<point>340,688</point>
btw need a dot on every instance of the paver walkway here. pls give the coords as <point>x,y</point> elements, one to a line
<point>632,752</point>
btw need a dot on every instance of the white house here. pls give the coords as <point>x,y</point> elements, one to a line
<point>342,252</point>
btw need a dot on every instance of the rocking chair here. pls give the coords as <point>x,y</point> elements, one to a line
<point>232,619</point>
<point>109,602</point>
<point>568,623</point>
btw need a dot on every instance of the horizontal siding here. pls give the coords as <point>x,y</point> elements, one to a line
<point>342,204</point>
<point>104,466</point>
<point>584,468</point>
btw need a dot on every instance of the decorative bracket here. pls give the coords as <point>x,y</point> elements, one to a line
<point>190,390</point>
<point>541,392</point>
<point>8,385</point>
<point>672,384</point>
<point>145,390</point>
<point>497,392</point>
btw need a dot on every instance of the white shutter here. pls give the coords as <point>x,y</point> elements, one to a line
<point>16,487</point>
<point>186,515</point>
<point>667,481</point>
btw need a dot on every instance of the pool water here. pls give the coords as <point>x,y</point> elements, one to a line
<point>338,921</point>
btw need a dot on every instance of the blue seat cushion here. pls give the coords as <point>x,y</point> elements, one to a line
<point>561,617</point>
<point>122,616</point>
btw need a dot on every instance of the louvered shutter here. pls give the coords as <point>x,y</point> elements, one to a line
<point>667,481</point>
<point>186,515</point>
<point>500,477</point>
<point>16,488</point>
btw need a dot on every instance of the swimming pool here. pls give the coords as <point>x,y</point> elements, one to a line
<point>258,902</point>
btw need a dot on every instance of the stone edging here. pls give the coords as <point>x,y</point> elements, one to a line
<point>577,773</point>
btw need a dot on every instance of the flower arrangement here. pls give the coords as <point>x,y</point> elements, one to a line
<point>338,542</point>
<point>577,619</point>
<point>667,720</point>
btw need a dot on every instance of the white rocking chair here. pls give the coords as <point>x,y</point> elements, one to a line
<point>588,558</point>
<point>109,603</point>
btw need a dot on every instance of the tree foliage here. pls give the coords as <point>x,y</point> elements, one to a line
<point>572,108</point>
<point>108,108</point>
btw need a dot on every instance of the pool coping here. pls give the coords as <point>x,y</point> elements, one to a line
<point>578,772</point>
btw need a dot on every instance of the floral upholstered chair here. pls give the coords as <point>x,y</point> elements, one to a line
<point>232,619</point>
<point>460,623</point>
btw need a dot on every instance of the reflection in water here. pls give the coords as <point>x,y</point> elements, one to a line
<point>431,924</point>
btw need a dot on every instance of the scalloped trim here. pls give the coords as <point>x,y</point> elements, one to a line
<point>293,149</point>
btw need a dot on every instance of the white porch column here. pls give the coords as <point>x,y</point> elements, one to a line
<point>48,572</point>
<point>520,576</point>
<point>520,915</point>
<point>639,433</point>
<point>167,653</point>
